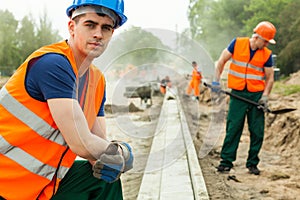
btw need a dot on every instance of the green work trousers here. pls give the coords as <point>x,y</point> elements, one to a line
<point>237,113</point>
<point>80,184</point>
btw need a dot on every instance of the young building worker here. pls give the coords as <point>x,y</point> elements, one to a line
<point>250,76</point>
<point>195,81</point>
<point>52,110</point>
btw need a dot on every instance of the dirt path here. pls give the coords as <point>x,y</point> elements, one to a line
<point>280,163</point>
<point>279,178</point>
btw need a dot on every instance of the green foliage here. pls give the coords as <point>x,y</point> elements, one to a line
<point>264,10</point>
<point>289,38</point>
<point>20,38</point>
<point>26,42</point>
<point>216,23</point>
<point>137,46</point>
<point>288,59</point>
<point>8,27</point>
<point>45,33</point>
<point>284,89</point>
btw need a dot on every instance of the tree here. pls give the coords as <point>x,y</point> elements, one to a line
<point>45,33</point>
<point>289,38</point>
<point>217,23</point>
<point>135,46</point>
<point>8,27</point>
<point>19,39</point>
<point>264,10</point>
<point>214,23</point>
<point>26,37</point>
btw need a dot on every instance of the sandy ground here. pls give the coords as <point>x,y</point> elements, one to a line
<point>279,178</point>
<point>279,165</point>
<point>137,128</point>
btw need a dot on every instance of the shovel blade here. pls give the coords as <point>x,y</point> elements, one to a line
<point>283,111</point>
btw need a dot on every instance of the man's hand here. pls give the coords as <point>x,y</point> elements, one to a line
<point>263,103</point>
<point>110,165</point>
<point>215,87</point>
<point>127,154</point>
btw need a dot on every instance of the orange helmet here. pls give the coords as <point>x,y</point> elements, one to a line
<point>266,30</point>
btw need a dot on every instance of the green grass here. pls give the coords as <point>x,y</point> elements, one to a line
<point>284,89</point>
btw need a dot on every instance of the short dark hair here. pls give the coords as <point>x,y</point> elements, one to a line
<point>194,63</point>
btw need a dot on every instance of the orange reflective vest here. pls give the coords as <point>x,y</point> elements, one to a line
<point>196,75</point>
<point>34,156</point>
<point>244,72</point>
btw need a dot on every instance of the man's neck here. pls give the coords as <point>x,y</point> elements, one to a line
<point>82,62</point>
<point>252,44</point>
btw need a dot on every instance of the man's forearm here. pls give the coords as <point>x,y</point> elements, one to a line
<point>269,81</point>
<point>71,122</point>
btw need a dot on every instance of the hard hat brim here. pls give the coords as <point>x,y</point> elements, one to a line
<point>272,41</point>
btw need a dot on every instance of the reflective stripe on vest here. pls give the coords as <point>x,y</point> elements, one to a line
<point>29,118</point>
<point>246,65</point>
<point>29,162</point>
<point>34,122</point>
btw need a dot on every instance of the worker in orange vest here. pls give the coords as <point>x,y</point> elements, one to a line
<point>52,110</point>
<point>164,84</point>
<point>195,81</point>
<point>250,76</point>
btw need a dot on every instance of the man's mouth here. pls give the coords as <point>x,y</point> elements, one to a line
<point>96,44</point>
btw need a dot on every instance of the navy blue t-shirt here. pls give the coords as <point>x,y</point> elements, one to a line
<point>230,48</point>
<point>51,76</point>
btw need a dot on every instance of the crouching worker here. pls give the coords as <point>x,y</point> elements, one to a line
<point>52,110</point>
<point>164,84</point>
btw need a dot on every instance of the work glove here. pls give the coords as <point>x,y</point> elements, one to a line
<point>263,103</point>
<point>215,87</point>
<point>127,155</point>
<point>110,165</point>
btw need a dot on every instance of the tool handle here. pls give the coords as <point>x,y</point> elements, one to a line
<point>234,95</point>
<point>281,111</point>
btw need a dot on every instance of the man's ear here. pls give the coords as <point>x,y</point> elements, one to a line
<point>71,26</point>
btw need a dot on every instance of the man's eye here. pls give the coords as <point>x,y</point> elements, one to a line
<point>91,25</point>
<point>106,28</point>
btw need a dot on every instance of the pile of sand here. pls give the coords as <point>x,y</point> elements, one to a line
<point>283,131</point>
<point>280,154</point>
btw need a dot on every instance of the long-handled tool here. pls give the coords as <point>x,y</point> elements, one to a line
<point>280,111</point>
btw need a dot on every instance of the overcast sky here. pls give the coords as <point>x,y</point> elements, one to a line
<point>164,14</point>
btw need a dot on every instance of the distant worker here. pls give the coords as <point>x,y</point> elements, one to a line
<point>164,84</point>
<point>195,81</point>
<point>52,110</point>
<point>250,76</point>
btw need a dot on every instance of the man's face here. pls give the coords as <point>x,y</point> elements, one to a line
<point>261,42</point>
<point>91,34</point>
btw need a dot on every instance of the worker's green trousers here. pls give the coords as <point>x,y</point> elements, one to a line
<point>80,184</point>
<point>237,113</point>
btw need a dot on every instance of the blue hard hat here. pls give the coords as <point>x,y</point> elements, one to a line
<point>116,5</point>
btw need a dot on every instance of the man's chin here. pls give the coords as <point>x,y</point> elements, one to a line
<point>95,53</point>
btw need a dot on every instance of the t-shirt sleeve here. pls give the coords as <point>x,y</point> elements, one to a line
<point>270,62</point>
<point>51,76</point>
<point>230,47</point>
<point>101,112</point>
